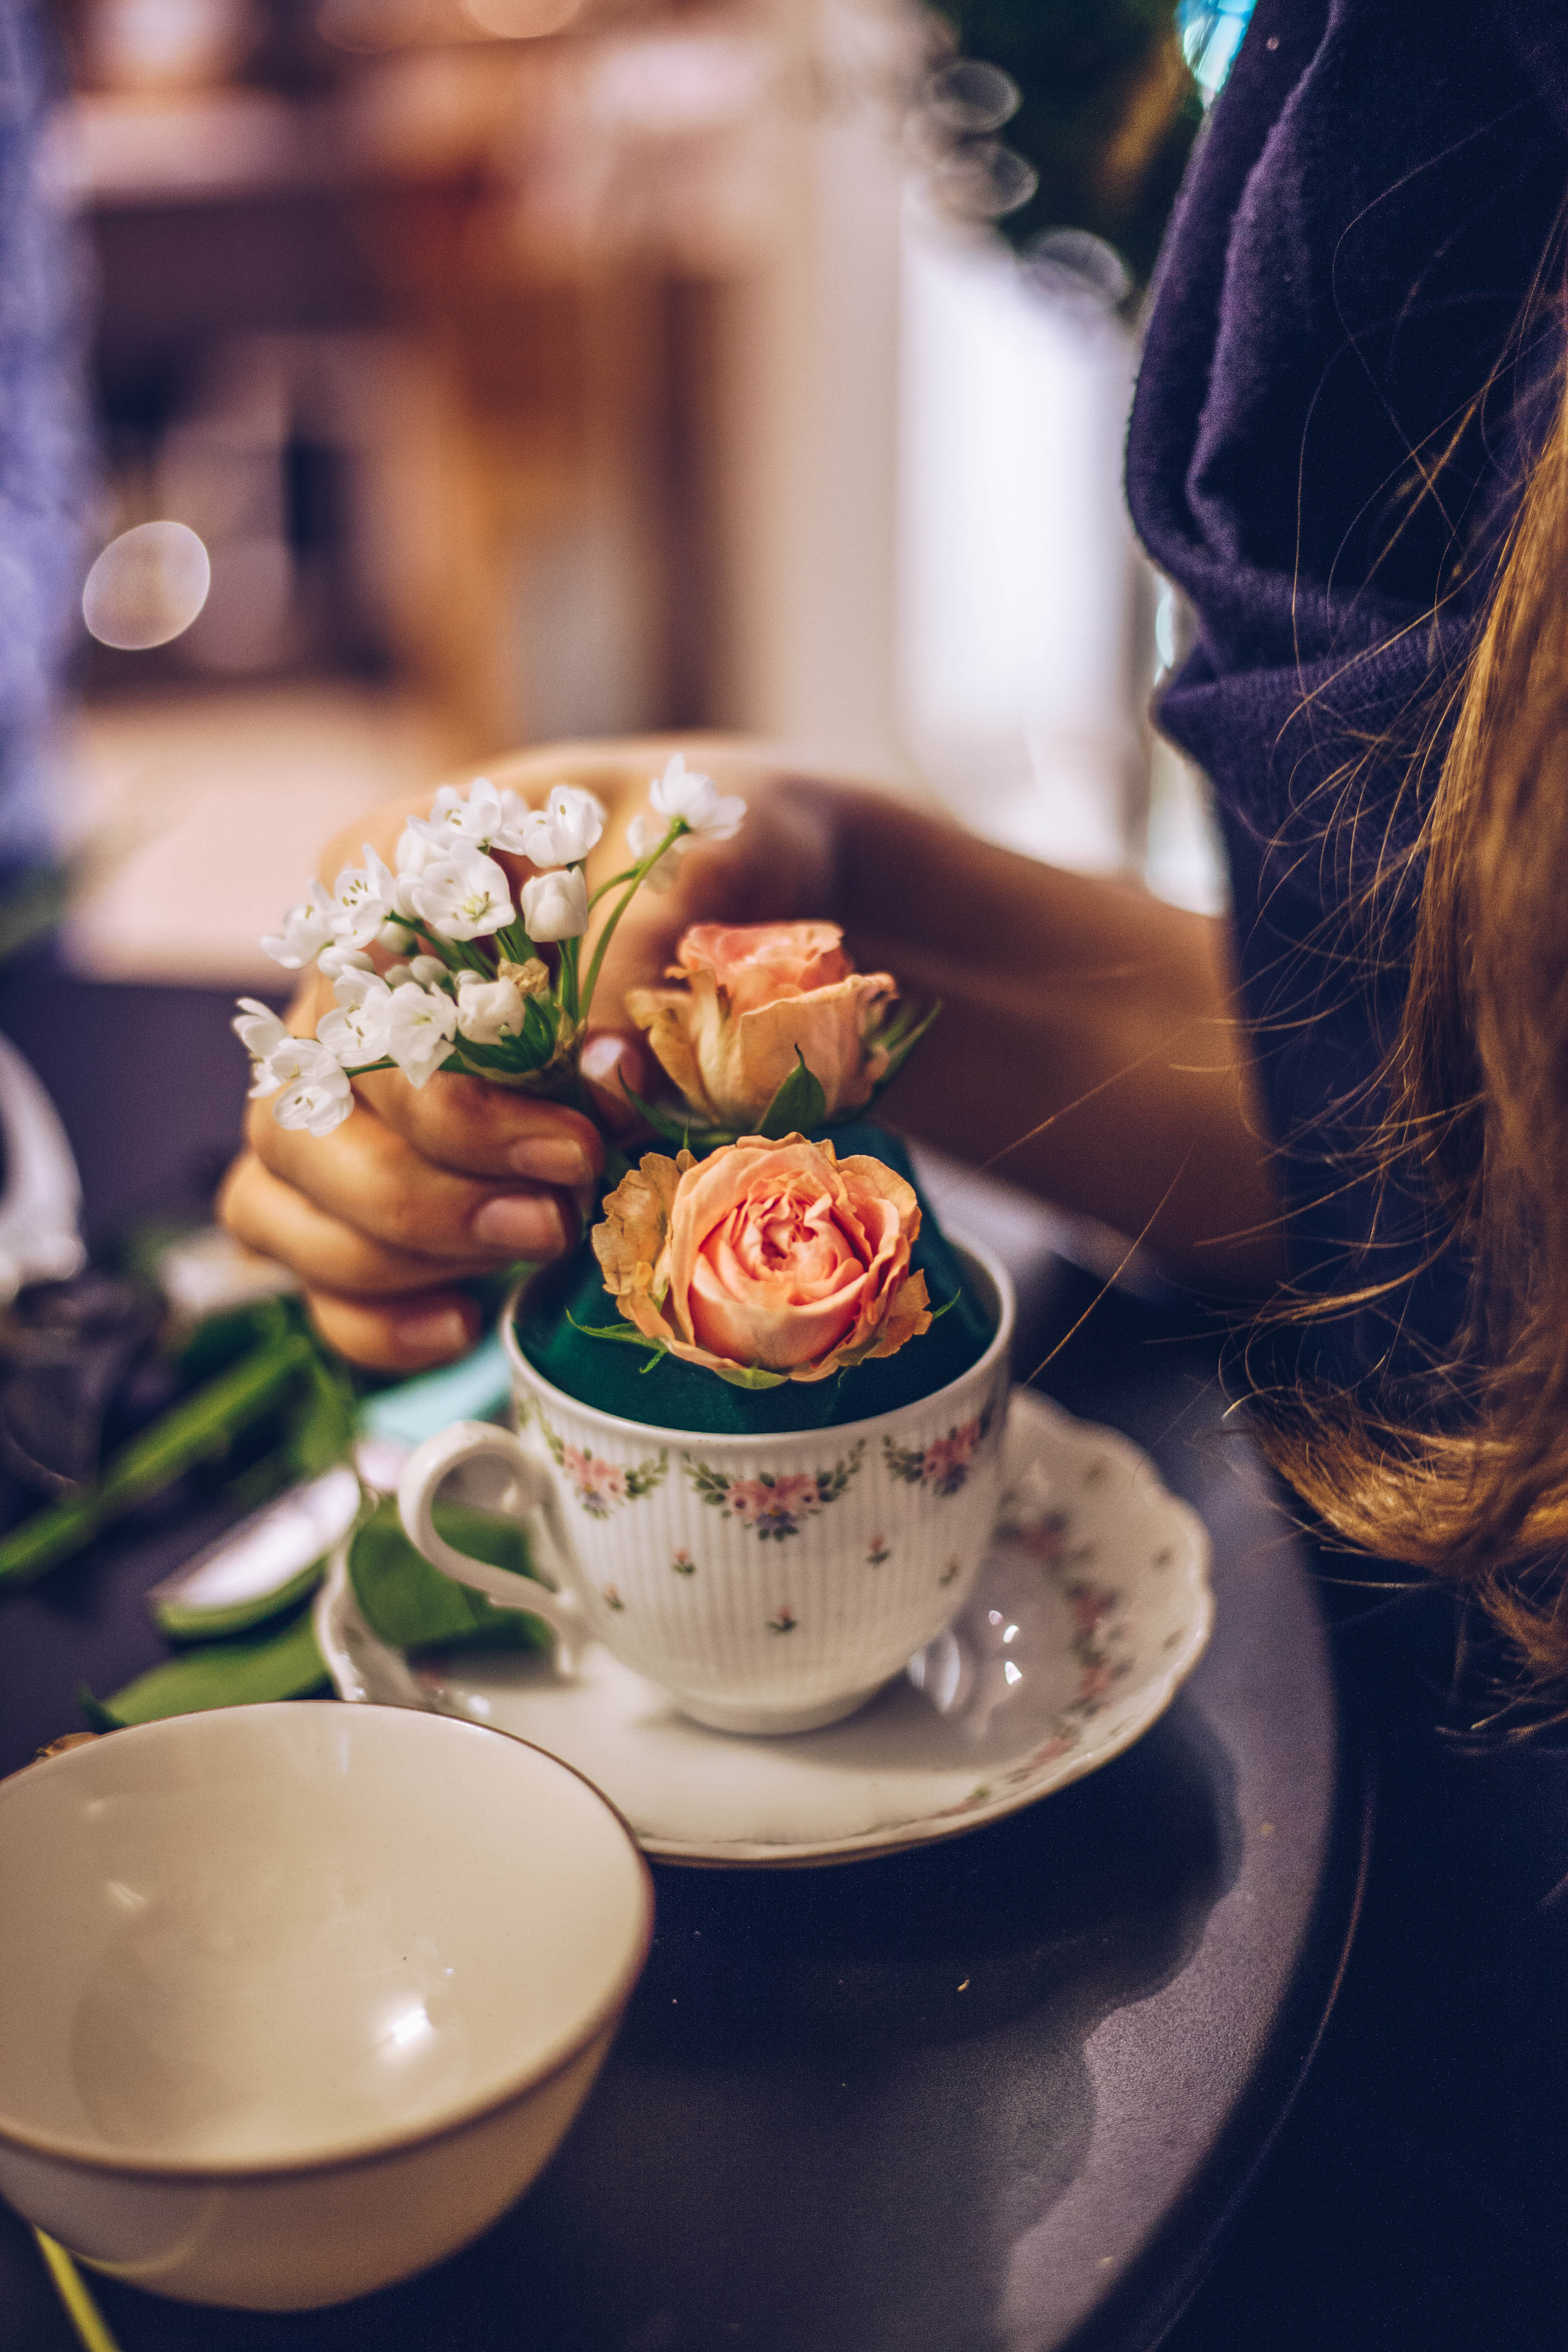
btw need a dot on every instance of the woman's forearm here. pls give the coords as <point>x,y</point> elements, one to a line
<point>1089,1046</point>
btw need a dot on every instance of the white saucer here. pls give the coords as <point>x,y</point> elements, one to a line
<point>1091,1607</point>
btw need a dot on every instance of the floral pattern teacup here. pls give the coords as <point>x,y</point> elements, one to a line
<point>769,1583</point>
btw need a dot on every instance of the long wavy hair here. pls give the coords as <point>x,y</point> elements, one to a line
<point>1468,1476</point>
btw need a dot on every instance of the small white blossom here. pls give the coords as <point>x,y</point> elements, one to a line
<point>420,1030</point>
<point>464,897</point>
<point>695,799</point>
<point>642,836</point>
<point>488,1010</point>
<point>315,1093</point>
<point>564,830</point>
<point>336,959</point>
<point>555,906</point>
<point>362,898</point>
<point>481,816</point>
<point>428,970</point>
<point>419,847</point>
<point>305,930</point>
<point>355,1032</point>
<point>393,936</point>
<point>261,1032</point>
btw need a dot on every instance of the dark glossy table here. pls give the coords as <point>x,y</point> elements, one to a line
<point>998,2093</point>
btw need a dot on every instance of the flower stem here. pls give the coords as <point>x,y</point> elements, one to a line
<point>569,954</point>
<point>631,874</point>
<point>640,875</point>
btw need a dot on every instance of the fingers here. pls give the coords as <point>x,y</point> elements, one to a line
<point>614,1068</point>
<point>367,1177</point>
<point>391,1335</point>
<point>461,1124</point>
<point>405,1314</point>
<point>275,1219</point>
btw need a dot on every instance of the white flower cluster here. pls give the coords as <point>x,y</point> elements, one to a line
<point>496,1009</point>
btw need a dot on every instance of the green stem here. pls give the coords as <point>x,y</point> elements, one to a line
<point>640,875</point>
<point>569,951</point>
<point>193,1431</point>
<point>614,883</point>
<point>445,950</point>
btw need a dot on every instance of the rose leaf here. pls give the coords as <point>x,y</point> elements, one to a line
<point>749,1376</point>
<point>799,1104</point>
<point>900,1040</point>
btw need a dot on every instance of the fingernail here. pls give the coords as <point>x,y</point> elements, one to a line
<point>552,1160</point>
<point>432,1331</point>
<point>526,1228</point>
<point>606,1059</point>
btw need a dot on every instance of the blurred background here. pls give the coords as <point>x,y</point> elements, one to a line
<point>490,370</point>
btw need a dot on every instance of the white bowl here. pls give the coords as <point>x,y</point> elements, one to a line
<point>298,1999</point>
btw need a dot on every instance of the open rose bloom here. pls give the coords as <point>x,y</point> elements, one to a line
<point>756,1000</point>
<point>767,1261</point>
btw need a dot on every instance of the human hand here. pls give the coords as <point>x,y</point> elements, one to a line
<point>383,1218</point>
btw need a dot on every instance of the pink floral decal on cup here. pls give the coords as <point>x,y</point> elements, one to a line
<point>785,1622</point>
<point>776,1504</point>
<point>601,1487</point>
<point>945,1465</point>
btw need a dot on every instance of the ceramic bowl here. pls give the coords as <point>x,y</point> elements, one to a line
<point>298,1999</point>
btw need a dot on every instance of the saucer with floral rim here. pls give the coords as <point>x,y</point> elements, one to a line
<point>1091,1607</point>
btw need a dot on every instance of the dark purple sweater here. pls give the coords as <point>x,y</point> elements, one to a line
<point>1362,224</point>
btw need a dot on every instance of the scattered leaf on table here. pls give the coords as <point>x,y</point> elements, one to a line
<point>270,1665</point>
<point>195,1430</point>
<point>261,1568</point>
<point>411,1604</point>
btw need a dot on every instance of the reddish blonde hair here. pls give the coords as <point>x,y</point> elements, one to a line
<point>1471,1482</point>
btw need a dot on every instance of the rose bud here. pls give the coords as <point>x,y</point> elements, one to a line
<point>773,1258</point>
<point>757,997</point>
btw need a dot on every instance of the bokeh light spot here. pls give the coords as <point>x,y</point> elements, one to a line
<point>146,587</point>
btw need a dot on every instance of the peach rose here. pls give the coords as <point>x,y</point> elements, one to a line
<point>756,997</point>
<point>766,1261</point>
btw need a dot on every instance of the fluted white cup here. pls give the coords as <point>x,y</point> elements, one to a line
<point>769,1583</point>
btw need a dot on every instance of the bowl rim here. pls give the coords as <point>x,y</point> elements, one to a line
<point>720,1440</point>
<point>370,2146</point>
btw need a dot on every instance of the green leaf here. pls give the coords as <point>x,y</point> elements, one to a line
<point>799,1107</point>
<point>273,1666</point>
<point>182,1623</point>
<point>665,1123</point>
<point>321,1423</point>
<point>541,1022</point>
<point>900,1042</point>
<point>414,1606</point>
<point>193,1431</point>
<point>625,1332</point>
<point>747,1376</point>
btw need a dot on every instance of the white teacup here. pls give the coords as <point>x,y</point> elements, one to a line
<point>769,1583</point>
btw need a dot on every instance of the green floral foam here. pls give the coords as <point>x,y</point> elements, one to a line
<point>673,1395</point>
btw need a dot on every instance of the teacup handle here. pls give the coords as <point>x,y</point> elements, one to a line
<point>533,1495</point>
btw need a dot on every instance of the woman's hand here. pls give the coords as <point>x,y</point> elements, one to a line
<point>382,1219</point>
